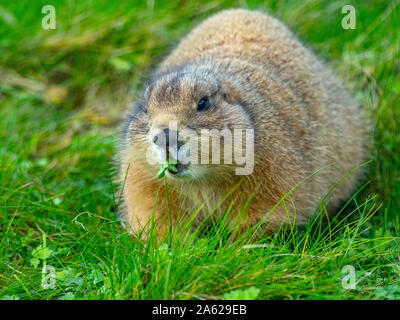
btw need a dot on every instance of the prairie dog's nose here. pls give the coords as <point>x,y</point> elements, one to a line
<point>165,138</point>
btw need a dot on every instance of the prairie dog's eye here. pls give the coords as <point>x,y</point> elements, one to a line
<point>203,104</point>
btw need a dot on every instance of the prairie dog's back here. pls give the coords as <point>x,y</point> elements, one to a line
<point>253,37</point>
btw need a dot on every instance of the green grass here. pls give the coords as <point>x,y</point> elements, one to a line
<point>62,95</point>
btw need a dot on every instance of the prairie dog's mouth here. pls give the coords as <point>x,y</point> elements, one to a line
<point>172,166</point>
<point>179,168</point>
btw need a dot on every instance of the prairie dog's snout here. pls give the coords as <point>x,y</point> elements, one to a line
<point>164,138</point>
<point>168,141</point>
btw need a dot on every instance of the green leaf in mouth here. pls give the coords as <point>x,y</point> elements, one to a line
<point>167,165</point>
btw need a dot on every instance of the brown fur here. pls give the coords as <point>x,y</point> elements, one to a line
<point>261,77</point>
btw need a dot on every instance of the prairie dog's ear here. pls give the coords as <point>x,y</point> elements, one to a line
<point>231,93</point>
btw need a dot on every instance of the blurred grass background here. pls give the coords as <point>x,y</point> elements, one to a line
<point>63,93</point>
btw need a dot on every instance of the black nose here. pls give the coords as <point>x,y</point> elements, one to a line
<point>165,138</point>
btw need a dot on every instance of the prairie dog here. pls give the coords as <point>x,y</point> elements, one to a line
<point>241,69</point>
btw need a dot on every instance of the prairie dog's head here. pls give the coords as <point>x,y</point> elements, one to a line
<point>192,116</point>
